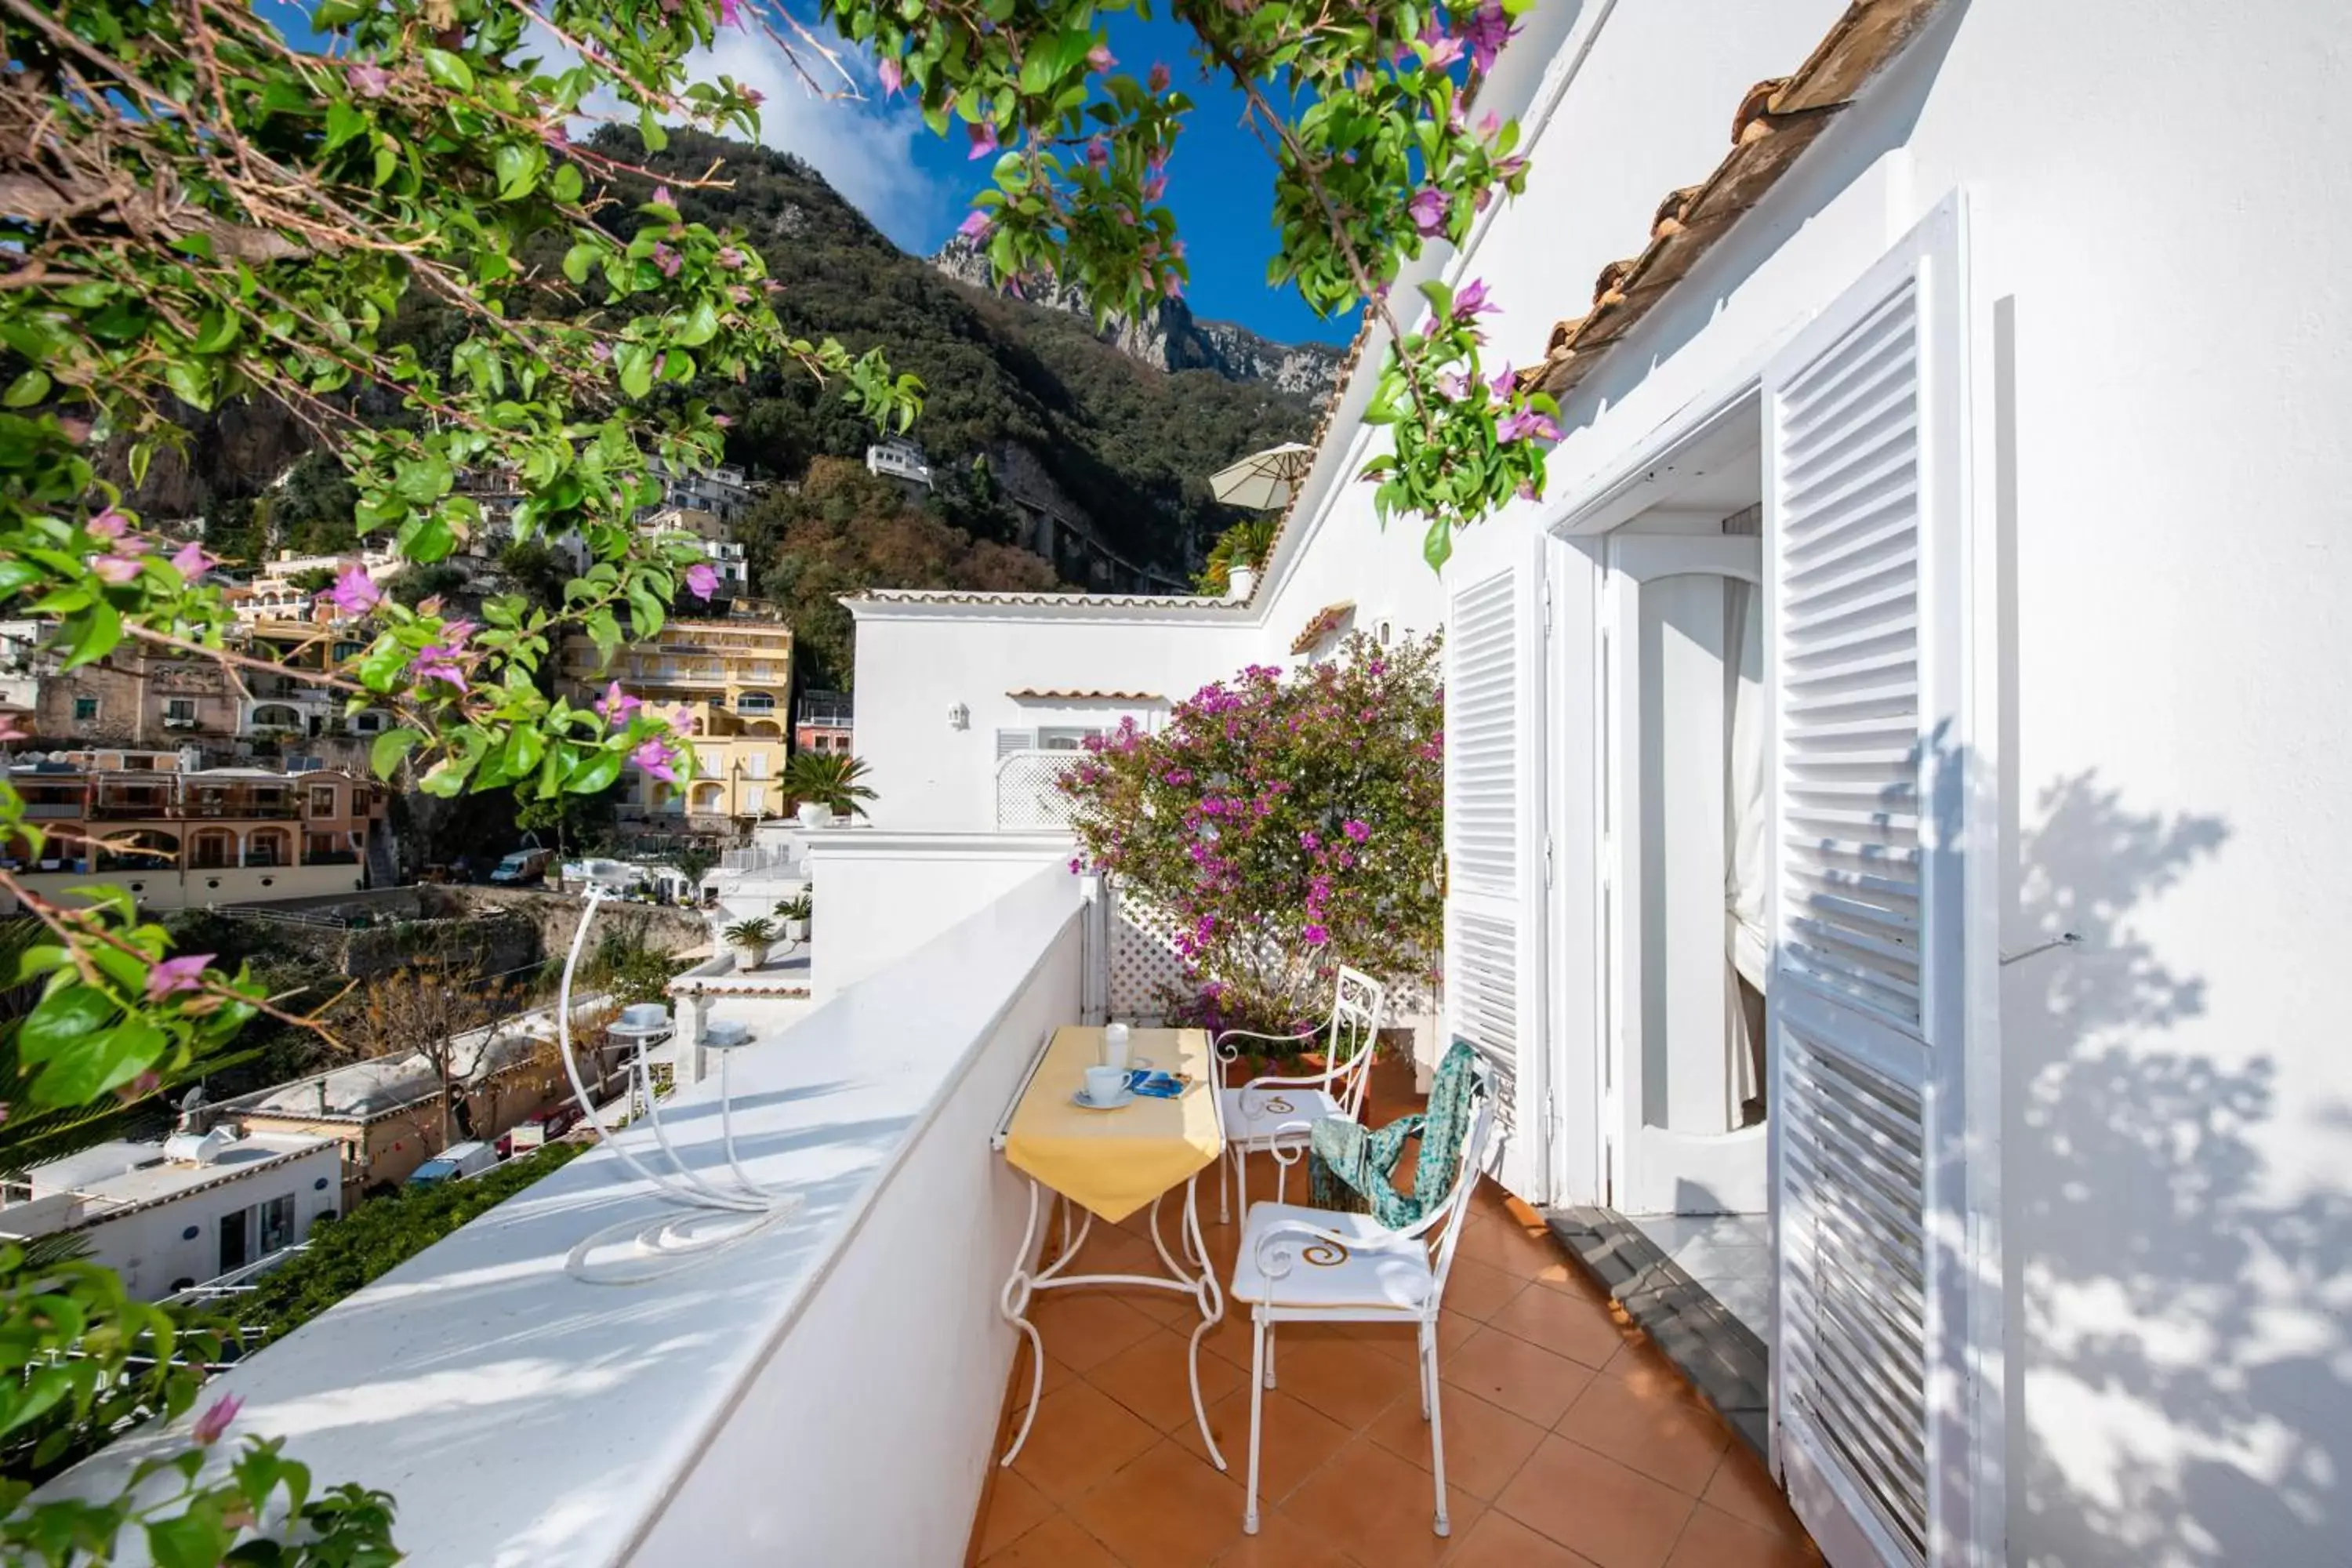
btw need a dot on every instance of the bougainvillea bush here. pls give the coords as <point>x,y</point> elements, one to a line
<point>1285,824</point>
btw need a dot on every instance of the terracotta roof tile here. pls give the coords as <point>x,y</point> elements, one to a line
<point>1775,122</point>
<point>1033,696</point>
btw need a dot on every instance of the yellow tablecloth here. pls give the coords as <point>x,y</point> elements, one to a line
<point>1115,1162</point>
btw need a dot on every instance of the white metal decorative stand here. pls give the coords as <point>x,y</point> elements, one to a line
<point>1025,1281</point>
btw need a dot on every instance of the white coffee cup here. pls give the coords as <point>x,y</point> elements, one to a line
<point>1103,1084</point>
<point>1114,1051</point>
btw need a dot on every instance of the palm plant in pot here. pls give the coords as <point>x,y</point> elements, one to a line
<point>827,784</point>
<point>752,937</point>
<point>795,913</point>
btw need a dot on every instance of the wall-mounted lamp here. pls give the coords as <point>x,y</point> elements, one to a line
<point>958,716</point>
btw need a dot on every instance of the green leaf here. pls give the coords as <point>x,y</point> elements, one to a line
<point>26,389</point>
<point>91,634</point>
<point>191,1541</point>
<point>595,774</point>
<point>578,259</point>
<point>100,1062</point>
<point>518,170</point>
<point>700,327</point>
<point>449,71</point>
<point>1438,546</point>
<point>65,1016</point>
<point>390,747</point>
<point>567,185</point>
<point>1440,298</point>
<point>343,121</point>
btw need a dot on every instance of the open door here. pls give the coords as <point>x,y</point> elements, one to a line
<point>1494,854</point>
<point>1873,803</point>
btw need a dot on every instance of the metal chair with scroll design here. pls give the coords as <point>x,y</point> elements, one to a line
<point>1273,1111</point>
<point>1324,1266</point>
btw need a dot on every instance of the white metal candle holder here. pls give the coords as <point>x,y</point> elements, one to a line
<point>717,1214</point>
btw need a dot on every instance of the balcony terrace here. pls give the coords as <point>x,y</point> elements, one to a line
<point>834,1387</point>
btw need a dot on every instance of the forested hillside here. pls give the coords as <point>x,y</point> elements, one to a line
<point>1022,400</point>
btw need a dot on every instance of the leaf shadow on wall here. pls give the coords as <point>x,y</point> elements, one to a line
<point>2178,1386</point>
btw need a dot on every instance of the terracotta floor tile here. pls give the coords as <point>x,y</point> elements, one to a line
<point>1166,1510</point>
<point>1665,1433</point>
<point>1084,1328</point>
<point>1592,1505</point>
<point>1282,1542</point>
<point>1742,1488</point>
<point>1056,1375</point>
<point>1478,1289</point>
<point>1507,1245</point>
<point>1081,1435</point>
<point>1400,1341</point>
<point>1014,1508</point>
<point>1524,1379</point>
<point>1152,1378</point>
<point>1566,1324</point>
<point>1056,1543</point>
<point>1347,1380</point>
<point>1639,1362</point>
<point>1713,1539</point>
<point>1498,1541</point>
<point>1485,1444</point>
<point>1231,1336</point>
<point>1297,1441</point>
<point>1378,1508</point>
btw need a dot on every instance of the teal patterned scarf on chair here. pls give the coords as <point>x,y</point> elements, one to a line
<point>1351,1168</point>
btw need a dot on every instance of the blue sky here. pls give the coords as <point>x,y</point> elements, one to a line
<point>917,187</point>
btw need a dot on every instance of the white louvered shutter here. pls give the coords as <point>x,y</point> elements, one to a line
<point>1865,549</point>
<point>1491,972</point>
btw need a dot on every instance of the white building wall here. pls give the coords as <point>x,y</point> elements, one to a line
<point>878,895</point>
<point>151,1246</point>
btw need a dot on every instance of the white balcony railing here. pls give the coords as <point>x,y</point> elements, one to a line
<point>826,1390</point>
<point>1028,799</point>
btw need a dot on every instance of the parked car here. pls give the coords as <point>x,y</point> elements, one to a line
<point>522,867</point>
<point>457,1161</point>
<point>533,1132</point>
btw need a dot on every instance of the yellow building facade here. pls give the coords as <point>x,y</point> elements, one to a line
<point>734,676</point>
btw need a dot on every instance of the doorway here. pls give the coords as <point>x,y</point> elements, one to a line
<point>1686,799</point>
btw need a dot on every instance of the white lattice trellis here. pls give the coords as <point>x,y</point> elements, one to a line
<point>1144,962</point>
<point>1026,794</point>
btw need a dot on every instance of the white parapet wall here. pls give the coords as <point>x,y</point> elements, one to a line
<point>170,889</point>
<point>880,896</point>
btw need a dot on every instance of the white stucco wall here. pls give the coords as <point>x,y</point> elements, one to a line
<point>880,896</point>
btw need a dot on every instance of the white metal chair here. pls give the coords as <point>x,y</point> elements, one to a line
<point>1320,1266</point>
<point>1272,1110</point>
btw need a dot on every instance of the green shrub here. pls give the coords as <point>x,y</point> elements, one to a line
<point>377,1237</point>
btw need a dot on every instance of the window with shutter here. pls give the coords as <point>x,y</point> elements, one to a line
<point>1865,546</point>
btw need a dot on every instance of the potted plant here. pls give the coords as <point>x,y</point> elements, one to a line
<point>795,913</point>
<point>752,937</point>
<point>828,781</point>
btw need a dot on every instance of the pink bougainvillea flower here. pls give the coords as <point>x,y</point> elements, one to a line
<point>892,74</point>
<point>1527,424</point>
<point>108,524</point>
<point>730,13</point>
<point>754,97</point>
<point>1159,79</point>
<point>185,973</point>
<point>657,759</point>
<point>1309,841</point>
<point>601,351</point>
<point>1098,152</point>
<point>616,706</point>
<point>1315,935</point>
<point>669,260</point>
<point>975,226</point>
<point>1100,58</point>
<point>730,257</point>
<point>1487,32</point>
<point>1527,491</point>
<point>1358,831</point>
<point>438,661</point>
<point>1442,48</point>
<point>115,569</point>
<point>701,581</point>
<point>982,136</point>
<point>139,1087</point>
<point>191,562</point>
<point>367,80</point>
<point>1470,302</point>
<point>354,592</point>
<point>662,198</point>
<point>1428,209</point>
<point>213,1425</point>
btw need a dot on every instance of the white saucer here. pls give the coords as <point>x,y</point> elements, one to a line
<point>1079,1098</point>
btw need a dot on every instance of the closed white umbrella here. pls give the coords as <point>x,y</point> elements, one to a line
<point>1264,481</point>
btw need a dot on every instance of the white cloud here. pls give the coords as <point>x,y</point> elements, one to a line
<point>864,148</point>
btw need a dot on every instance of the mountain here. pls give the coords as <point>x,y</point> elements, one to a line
<point>1175,339</point>
<point>1040,435</point>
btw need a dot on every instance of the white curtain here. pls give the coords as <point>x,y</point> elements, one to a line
<point>1746,946</point>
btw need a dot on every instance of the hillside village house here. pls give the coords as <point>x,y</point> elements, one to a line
<point>167,1216</point>
<point>1928,640</point>
<point>734,676</point>
<point>186,836</point>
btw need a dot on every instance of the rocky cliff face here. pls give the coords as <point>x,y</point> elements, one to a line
<point>1174,338</point>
